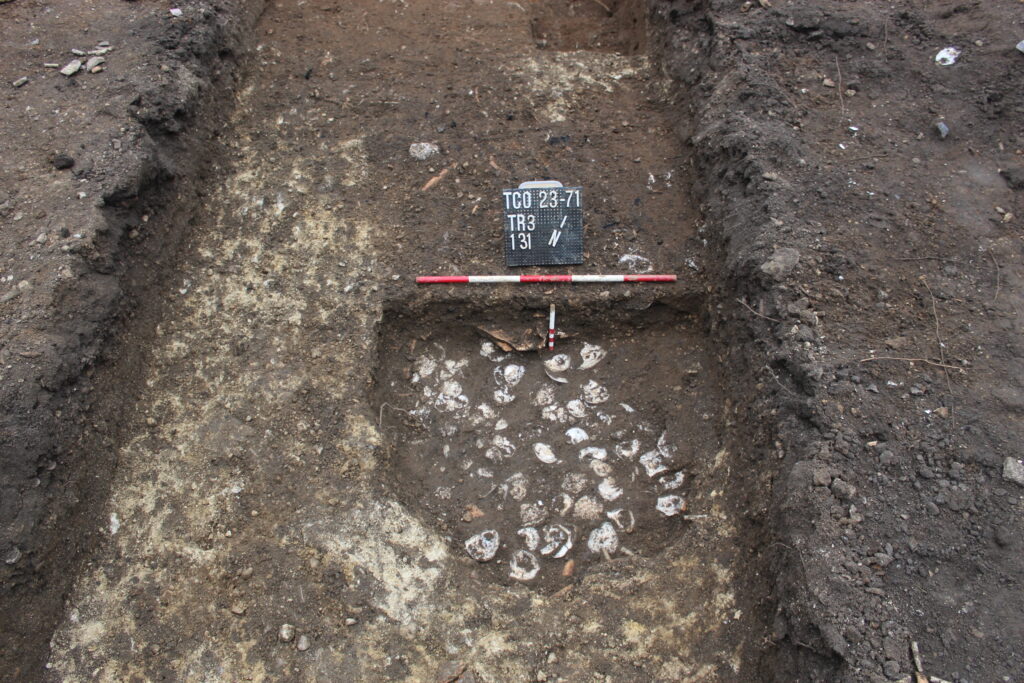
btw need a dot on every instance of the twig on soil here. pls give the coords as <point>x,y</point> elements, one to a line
<point>912,360</point>
<point>495,166</point>
<point>942,351</point>
<point>927,258</point>
<point>745,305</point>
<point>436,179</point>
<point>380,415</point>
<point>870,156</point>
<point>885,40</point>
<point>839,87</point>
<point>606,7</point>
<point>996,264</point>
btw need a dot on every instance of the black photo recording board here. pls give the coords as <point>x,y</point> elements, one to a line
<point>543,226</point>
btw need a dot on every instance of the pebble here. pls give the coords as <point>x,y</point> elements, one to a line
<point>12,556</point>
<point>94,62</point>
<point>842,490</point>
<point>286,633</point>
<point>891,669</point>
<point>781,262</point>
<point>303,643</point>
<point>423,150</point>
<point>20,82</point>
<point>1013,470</point>
<point>351,621</point>
<point>238,609</point>
<point>942,128</point>
<point>1020,46</point>
<point>72,67</point>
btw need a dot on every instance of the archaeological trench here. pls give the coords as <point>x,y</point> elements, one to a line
<point>240,442</point>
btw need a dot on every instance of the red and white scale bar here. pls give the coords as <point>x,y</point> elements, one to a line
<point>524,279</point>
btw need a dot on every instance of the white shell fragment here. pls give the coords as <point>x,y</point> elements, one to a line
<point>576,408</point>
<point>544,453</point>
<point>530,536</point>
<point>557,541</point>
<point>517,484</point>
<point>601,469</point>
<point>545,396</point>
<point>576,435</point>
<point>651,460</point>
<point>623,519</point>
<point>671,483</point>
<point>558,363</point>
<point>500,449</point>
<point>628,449</point>
<point>513,373</point>
<point>556,378</point>
<point>484,546</point>
<point>591,355</point>
<point>594,393</point>
<point>532,513</point>
<point>554,413</point>
<point>604,539</point>
<point>523,566</point>
<point>947,56</point>
<point>671,506</point>
<point>588,508</point>
<point>574,483</point>
<point>628,408</point>
<point>593,452</point>
<point>608,490</point>
<point>489,351</point>
<point>502,396</point>
<point>425,366</point>
<point>565,501</point>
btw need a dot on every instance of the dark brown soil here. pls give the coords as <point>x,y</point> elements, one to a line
<point>216,421</point>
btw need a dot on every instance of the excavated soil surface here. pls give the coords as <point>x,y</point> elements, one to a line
<point>240,443</point>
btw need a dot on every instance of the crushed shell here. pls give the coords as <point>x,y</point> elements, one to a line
<point>558,363</point>
<point>544,453</point>
<point>603,539</point>
<point>523,566</point>
<point>591,354</point>
<point>483,546</point>
<point>671,505</point>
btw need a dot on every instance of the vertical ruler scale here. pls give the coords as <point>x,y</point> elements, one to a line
<point>543,224</point>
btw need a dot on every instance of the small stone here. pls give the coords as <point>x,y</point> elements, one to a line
<point>286,633</point>
<point>891,669</point>
<point>828,83</point>
<point>843,490</point>
<point>821,476</point>
<point>781,262</point>
<point>942,129</point>
<point>50,65</point>
<point>423,150</point>
<point>1013,470</point>
<point>12,556</point>
<point>62,161</point>
<point>351,621</point>
<point>20,82</point>
<point>303,643</point>
<point>238,609</point>
<point>870,46</point>
<point>246,573</point>
<point>175,12</point>
<point>72,67</point>
<point>1020,46</point>
<point>94,62</point>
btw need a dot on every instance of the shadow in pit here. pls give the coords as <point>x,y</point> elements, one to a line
<point>617,26</point>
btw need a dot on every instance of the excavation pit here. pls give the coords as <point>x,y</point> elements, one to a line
<point>538,465</point>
